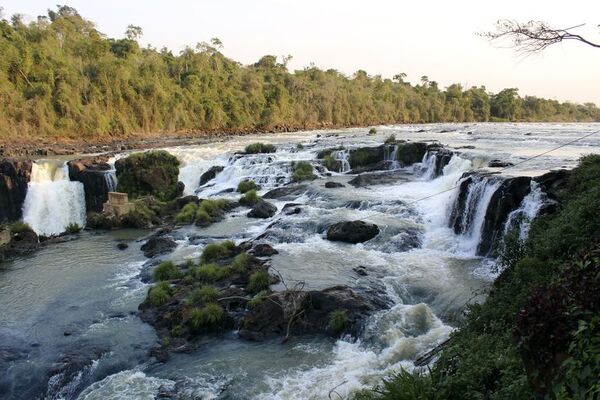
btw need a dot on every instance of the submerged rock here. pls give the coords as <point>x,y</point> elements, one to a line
<point>286,192</point>
<point>157,245</point>
<point>333,185</point>
<point>262,209</point>
<point>378,178</point>
<point>499,164</point>
<point>263,250</point>
<point>352,231</point>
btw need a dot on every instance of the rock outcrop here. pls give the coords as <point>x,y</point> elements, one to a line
<point>153,173</point>
<point>97,180</point>
<point>262,209</point>
<point>210,174</point>
<point>14,177</point>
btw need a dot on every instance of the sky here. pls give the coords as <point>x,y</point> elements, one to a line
<point>418,37</point>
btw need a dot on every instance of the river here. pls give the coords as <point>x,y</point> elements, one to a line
<point>75,302</point>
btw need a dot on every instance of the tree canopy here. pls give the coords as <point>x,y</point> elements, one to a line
<point>60,76</point>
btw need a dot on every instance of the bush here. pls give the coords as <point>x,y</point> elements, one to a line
<point>256,148</point>
<point>300,146</point>
<point>338,321</point>
<point>72,228</point>
<point>258,299</point>
<point>215,251</point>
<point>303,171</point>
<point>372,131</point>
<point>402,386</point>
<point>160,294</point>
<point>246,186</point>
<point>19,227</point>
<point>212,272</point>
<point>187,213</point>
<point>211,211</point>
<point>240,262</point>
<point>166,271</point>
<point>259,281</point>
<point>204,294</point>
<point>250,198</point>
<point>331,163</point>
<point>206,318</point>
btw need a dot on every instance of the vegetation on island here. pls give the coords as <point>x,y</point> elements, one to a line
<point>62,78</point>
<point>537,334</point>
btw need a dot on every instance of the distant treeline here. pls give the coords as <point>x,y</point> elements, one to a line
<point>59,76</point>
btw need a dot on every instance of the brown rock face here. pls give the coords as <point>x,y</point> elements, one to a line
<point>14,177</point>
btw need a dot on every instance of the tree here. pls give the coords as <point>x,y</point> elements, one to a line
<point>133,32</point>
<point>506,104</point>
<point>534,36</point>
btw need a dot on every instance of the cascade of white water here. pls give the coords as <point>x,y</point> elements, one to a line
<point>521,218</point>
<point>342,156</point>
<point>390,154</point>
<point>479,194</point>
<point>52,201</point>
<point>111,180</point>
<point>427,166</point>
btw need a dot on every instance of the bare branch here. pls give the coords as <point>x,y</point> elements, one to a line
<point>533,36</point>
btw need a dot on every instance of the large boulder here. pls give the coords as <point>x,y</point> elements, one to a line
<point>158,245</point>
<point>210,174</point>
<point>14,177</point>
<point>152,173</point>
<point>352,231</point>
<point>94,173</point>
<point>379,178</point>
<point>17,240</point>
<point>364,157</point>
<point>312,313</point>
<point>286,192</point>
<point>409,153</point>
<point>262,209</point>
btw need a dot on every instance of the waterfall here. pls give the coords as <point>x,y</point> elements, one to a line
<point>342,156</point>
<point>428,166</point>
<point>521,218</point>
<point>470,207</point>
<point>390,154</point>
<point>110,177</point>
<point>52,200</point>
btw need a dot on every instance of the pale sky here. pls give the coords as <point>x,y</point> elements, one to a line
<point>417,37</point>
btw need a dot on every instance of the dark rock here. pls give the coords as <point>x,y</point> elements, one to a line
<point>291,208</point>
<point>18,243</point>
<point>442,158</point>
<point>499,164</point>
<point>379,178</point>
<point>365,156</point>
<point>210,174</point>
<point>332,185</point>
<point>269,319</point>
<point>264,250</point>
<point>157,245</point>
<point>122,246</point>
<point>97,181</point>
<point>554,182</point>
<point>410,152</point>
<point>262,209</point>
<point>360,270</point>
<point>14,177</point>
<point>152,173</point>
<point>291,191</point>
<point>505,199</point>
<point>352,231</point>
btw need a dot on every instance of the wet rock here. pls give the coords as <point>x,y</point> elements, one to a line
<point>360,270</point>
<point>264,250</point>
<point>122,246</point>
<point>97,182</point>
<point>442,158</point>
<point>210,174</point>
<point>365,156</point>
<point>332,185</point>
<point>499,164</point>
<point>262,209</point>
<point>410,153</point>
<point>291,209</point>
<point>270,318</point>
<point>352,231</point>
<point>286,192</point>
<point>17,240</point>
<point>14,177</point>
<point>505,199</point>
<point>379,178</point>
<point>157,245</point>
<point>554,182</point>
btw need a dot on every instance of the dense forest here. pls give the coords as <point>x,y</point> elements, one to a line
<point>59,76</point>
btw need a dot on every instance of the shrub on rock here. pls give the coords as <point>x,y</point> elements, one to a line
<point>258,148</point>
<point>151,173</point>
<point>259,281</point>
<point>215,251</point>
<point>166,271</point>
<point>187,214</point>
<point>250,198</point>
<point>207,318</point>
<point>246,185</point>
<point>303,171</point>
<point>160,294</point>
